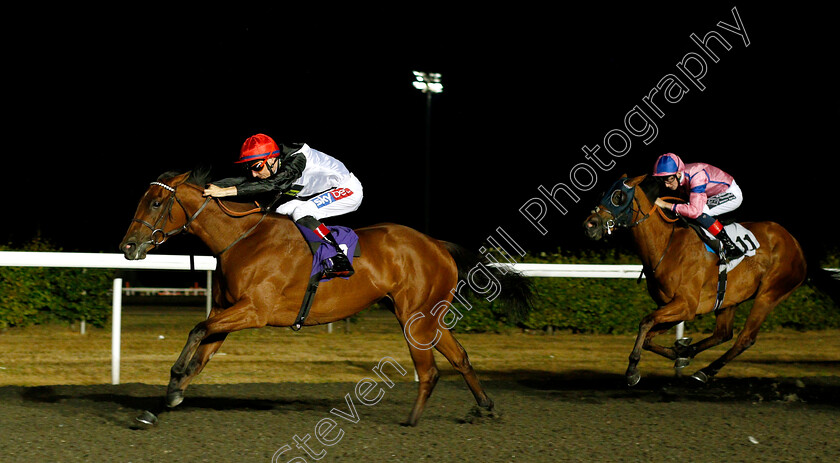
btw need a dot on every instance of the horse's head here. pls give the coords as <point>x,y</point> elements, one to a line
<point>160,214</point>
<point>623,205</point>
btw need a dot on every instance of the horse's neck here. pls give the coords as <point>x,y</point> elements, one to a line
<point>652,236</point>
<point>213,226</point>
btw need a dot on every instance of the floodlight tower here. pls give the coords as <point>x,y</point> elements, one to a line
<point>428,83</point>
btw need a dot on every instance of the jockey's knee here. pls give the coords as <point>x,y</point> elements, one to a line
<point>305,209</point>
<point>705,220</point>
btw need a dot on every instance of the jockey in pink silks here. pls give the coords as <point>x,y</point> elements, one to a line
<point>711,192</point>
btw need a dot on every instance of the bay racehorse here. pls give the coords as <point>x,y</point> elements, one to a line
<point>264,266</point>
<point>682,276</point>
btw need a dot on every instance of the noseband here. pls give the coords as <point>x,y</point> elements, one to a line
<point>158,231</point>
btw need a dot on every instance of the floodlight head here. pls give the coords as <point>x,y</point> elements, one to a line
<point>427,82</point>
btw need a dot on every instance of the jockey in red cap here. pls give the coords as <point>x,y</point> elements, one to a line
<point>711,192</point>
<point>314,185</point>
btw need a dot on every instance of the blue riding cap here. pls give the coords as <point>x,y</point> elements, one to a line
<point>668,164</point>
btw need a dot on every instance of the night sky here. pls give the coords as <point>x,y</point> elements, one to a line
<point>99,107</point>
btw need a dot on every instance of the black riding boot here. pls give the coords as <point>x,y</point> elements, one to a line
<point>730,251</point>
<point>341,266</point>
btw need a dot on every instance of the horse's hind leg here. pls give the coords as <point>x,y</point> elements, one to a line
<point>457,356</point>
<point>423,357</point>
<point>721,334</point>
<point>427,375</point>
<point>667,352</point>
<point>746,338</point>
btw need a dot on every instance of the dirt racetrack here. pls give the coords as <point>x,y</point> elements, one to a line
<point>575,417</point>
<point>559,398</point>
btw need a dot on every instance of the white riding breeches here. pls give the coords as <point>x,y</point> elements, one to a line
<point>724,202</point>
<point>347,197</point>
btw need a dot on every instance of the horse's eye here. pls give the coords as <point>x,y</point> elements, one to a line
<point>156,204</point>
<point>617,198</point>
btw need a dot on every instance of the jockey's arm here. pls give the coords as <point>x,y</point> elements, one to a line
<point>219,192</point>
<point>224,187</point>
<point>694,207</point>
<point>282,181</point>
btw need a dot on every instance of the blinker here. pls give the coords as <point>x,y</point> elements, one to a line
<point>617,202</point>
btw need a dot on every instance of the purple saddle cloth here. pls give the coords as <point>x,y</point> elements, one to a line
<point>322,250</point>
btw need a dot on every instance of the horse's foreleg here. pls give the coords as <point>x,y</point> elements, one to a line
<point>174,395</point>
<point>204,340</point>
<point>675,311</point>
<point>179,380</point>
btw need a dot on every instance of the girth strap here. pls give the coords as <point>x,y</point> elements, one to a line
<point>308,299</point>
<point>721,287</point>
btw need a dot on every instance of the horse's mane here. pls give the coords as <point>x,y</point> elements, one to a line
<point>651,187</point>
<point>199,176</point>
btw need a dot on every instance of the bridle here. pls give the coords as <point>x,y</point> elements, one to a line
<point>160,223</point>
<point>623,213</point>
<point>167,211</point>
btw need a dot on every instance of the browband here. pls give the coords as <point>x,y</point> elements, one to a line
<point>165,186</point>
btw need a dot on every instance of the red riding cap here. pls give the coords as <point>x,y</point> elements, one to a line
<point>258,147</point>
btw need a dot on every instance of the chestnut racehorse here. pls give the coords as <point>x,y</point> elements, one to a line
<point>264,267</point>
<point>682,276</point>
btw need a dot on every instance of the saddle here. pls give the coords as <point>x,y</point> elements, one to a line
<point>739,234</point>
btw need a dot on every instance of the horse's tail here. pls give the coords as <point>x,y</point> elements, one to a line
<point>827,281</point>
<point>515,292</point>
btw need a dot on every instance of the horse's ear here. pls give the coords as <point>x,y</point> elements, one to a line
<point>634,181</point>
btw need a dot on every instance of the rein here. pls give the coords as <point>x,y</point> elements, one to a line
<point>233,213</point>
<point>236,214</point>
<point>662,213</point>
<point>645,216</point>
<point>242,236</point>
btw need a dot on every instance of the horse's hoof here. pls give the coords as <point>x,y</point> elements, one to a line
<point>681,363</point>
<point>174,398</point>
<point>682,342</point>
<point>703,378</point>
<point>479,414</point>
<point>147,418</point>
<point>634,378</point>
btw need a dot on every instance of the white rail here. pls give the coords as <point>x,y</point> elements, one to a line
<point>579,270</point>
<point>208,263</point>
<point>114,261</point>
<point>109,260</point>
